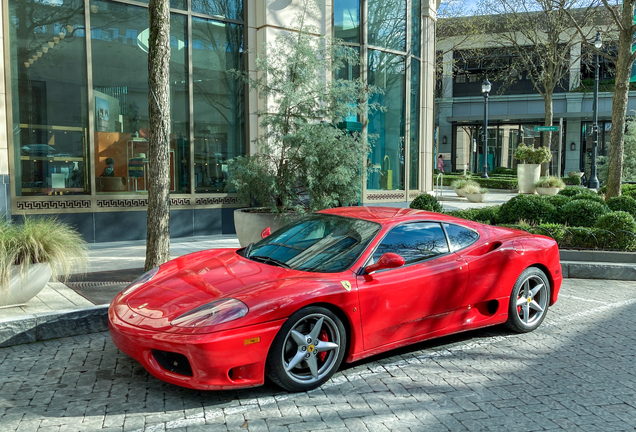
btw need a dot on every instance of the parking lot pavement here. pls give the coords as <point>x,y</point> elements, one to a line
<point>575,373</point>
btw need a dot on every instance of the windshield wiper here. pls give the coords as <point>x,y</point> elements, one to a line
<point>248,249</point>
<point>266,259</point>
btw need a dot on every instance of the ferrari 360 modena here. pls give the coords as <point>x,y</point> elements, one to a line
<point>338,285</point>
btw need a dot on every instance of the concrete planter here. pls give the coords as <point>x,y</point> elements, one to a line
<point>548,191</point>
<point>249,222</point>
<point>23,288</point>
<point>460,192</point>
<point>527,176</point>
<point>476,198</point>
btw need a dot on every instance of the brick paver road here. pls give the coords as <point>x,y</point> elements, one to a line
<point>577,372</point>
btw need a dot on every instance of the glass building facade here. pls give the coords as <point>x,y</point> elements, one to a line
<point>77,99</point>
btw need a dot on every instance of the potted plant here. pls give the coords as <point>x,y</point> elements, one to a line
<point>549,185</point>
<point>32,252</point>
<point>307,158</point>
<point>529,167</point>
<point>475,193</point>
<point>460,184</point>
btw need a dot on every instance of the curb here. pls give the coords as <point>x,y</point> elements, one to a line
<point>51,325</point>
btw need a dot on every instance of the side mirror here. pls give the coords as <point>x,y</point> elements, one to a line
<point>386,261</point>
<point>266,232</point>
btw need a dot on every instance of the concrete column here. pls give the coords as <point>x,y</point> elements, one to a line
<point>447,75</point>
<point>429,15</point>
<point>573,135</point>
<point>575,66</point>
<point>5,191</point>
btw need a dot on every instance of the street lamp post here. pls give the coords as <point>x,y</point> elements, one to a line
<point>485,89</point>
<point>593,182</point>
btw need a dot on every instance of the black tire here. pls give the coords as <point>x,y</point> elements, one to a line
<point>526,314</point>
<point>287,351</point>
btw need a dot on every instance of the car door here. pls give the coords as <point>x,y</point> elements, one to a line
<point>417,298</point>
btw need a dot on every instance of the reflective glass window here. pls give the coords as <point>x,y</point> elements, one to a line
<point>232,9</point>
<point>219,116</point>
<point>119,38</point>
<point>47,54</point>
<point>416,27</point>
<point>346,20</point>
<point>175,4</point>
<point>414,133</point>
<point>387,24</point>
<point>414,242</point>
<point>386,160</point>
<point>459,236</point>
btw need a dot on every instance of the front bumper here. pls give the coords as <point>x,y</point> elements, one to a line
<point>218,361</point>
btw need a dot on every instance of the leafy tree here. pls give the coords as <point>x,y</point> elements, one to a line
<point>539,35</point>
<point>158,234</point>
<point>621,16</point>
<point>304,160</point>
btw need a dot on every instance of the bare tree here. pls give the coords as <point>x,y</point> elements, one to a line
<point>158,235</point>
<point>540,37</point>
<point>621,15</point>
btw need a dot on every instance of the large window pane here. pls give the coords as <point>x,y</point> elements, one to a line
<point>414,141</point>
<point>119,37</point>
<point>218,101</point>
<point>346,20</point>
<point>48,87</point>
<point>232,9</point>
<point>387,72</point>
<point>387,24</point>
<point>416,27</point>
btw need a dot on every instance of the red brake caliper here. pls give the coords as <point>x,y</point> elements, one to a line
<point>325,338</point>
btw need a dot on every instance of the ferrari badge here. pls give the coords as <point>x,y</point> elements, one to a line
<point>346,285</point>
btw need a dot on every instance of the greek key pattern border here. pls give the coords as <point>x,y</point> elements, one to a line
<point>414,194</point>
<point>386,196</point>
<point>122,202</point>
<point>217,200</point>
<point>53,205</point>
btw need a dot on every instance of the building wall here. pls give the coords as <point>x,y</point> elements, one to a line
<point>5,190</point>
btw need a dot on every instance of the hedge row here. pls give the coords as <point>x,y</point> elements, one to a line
<point>502,182</point>
<point>578,221</point>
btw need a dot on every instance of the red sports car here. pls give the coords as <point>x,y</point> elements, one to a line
<point>344,283</point>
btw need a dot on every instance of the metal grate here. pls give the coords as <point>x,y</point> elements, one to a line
<point>173,362</point>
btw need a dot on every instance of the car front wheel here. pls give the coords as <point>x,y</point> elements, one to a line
<point>307,350</point>
<point>529,301</point>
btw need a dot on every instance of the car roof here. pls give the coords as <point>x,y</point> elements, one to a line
<point>386,215</point>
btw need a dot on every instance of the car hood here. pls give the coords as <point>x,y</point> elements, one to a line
<point>196,279</point>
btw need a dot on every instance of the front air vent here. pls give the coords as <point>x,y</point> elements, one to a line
<point>173,362</point>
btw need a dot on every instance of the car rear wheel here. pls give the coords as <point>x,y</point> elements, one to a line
<point>307,350</point>
<point>529,301</point>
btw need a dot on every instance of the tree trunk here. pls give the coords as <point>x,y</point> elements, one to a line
<point>158,236</point>
<point>619,102</point>
<point>547,136</point>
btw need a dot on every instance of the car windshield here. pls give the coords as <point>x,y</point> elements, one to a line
<point>316,243</point>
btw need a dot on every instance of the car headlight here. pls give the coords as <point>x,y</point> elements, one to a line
<point>216,312</point>
<point>140,281</point>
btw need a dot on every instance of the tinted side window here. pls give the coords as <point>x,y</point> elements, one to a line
<point>414,242</point>
<point>459,236</point>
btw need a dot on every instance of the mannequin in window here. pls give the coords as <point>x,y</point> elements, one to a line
<point>109,171</point>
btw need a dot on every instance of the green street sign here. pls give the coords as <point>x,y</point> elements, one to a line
<point>546,128</point>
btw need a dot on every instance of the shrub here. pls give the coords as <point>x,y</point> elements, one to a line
<point>572,181</point>
<point>558,201</point>
<point>573,191</point>
<point>530,208</point>
<point>487,215</point>
<point>462,182</point>
<point>526,154</point>
<point>589,197</point>
<point>622,227</point>
<point>583,212</point>
<point>623,203</point>
<point>426,202</point>
<point>504,170</point>
<point>474,189</point>
<point>626,189</point>
<point>550,182</point>
<point>509,183</point>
